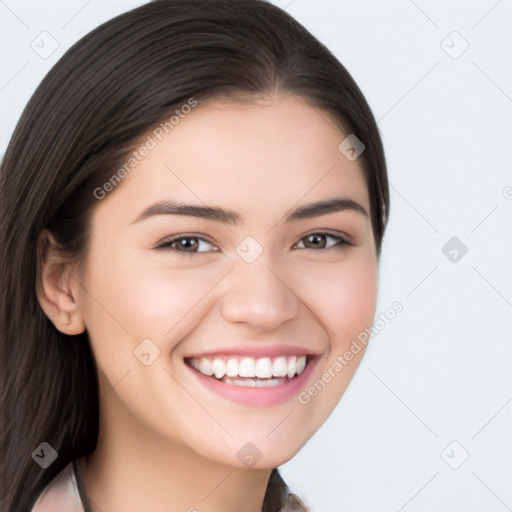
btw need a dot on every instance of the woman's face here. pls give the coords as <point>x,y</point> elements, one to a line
<point>245,293</point>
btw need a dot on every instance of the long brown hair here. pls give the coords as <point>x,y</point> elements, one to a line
<point>108,90</point>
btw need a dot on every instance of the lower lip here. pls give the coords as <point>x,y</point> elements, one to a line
<point>264,396</point>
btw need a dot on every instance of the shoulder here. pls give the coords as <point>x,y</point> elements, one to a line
<point>61,494</point>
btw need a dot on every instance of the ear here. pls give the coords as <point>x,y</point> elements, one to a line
<point>57,287</point>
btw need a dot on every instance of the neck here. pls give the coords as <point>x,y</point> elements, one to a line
<point>162,475</point>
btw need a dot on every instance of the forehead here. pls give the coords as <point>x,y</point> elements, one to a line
<point>266,155</point>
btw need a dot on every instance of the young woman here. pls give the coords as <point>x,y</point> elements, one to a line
<point>193,206</point>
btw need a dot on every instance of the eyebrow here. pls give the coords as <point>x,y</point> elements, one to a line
<point>231,217</point>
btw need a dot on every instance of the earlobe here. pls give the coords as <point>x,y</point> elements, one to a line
<point>57,289</point>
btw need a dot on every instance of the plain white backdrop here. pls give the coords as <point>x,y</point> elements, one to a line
<point>426,424</point>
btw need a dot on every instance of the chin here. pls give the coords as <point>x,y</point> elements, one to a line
<point>261,453</point>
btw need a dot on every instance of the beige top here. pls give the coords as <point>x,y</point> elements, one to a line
<point>62,495</point>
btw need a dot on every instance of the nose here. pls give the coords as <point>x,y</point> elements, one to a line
<point>258,295</point>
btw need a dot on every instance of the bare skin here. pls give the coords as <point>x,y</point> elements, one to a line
<point>166,441</point>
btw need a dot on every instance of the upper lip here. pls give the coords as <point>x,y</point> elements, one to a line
<point>256,351</point>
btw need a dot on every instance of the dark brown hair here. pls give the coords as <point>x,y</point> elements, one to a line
<point>108,90</point>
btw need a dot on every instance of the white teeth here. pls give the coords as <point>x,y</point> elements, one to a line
<point>292,367</point>
<point>269,383</point>
<point>264,368</point>
<point>251,369</point>
<point>301,364</point>
<point>247,367</point>
<point>205,366</point>
<point>232,368</point>
<point>279,367</point>
<point>219,368</point>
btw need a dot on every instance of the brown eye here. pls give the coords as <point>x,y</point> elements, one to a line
<point>185,244</point>
<point>319,241</point>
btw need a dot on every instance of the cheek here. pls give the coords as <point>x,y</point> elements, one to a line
<point>155,300</point>
<point>344,296</point>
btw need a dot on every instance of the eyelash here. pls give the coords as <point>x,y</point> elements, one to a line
<point>342,244</point>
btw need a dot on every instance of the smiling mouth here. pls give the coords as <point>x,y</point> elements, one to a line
<point>249,371</point>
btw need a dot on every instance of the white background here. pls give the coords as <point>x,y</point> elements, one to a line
<point>441,370</point>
